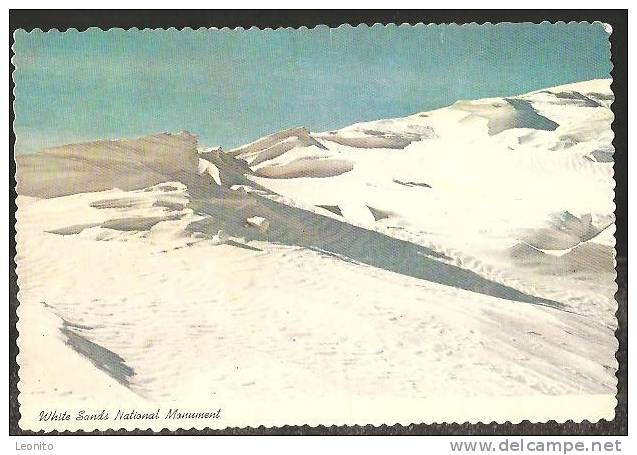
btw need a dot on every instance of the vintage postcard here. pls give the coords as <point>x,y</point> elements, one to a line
<point>329,226</point>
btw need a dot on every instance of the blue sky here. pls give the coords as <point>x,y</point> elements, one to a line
<point>233,86</point>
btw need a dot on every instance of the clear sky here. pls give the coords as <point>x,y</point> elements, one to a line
<point>233,86</point>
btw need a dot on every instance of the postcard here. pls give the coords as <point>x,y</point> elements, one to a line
<point>329,226</point>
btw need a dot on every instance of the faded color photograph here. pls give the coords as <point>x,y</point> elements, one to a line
<point>354,225</point>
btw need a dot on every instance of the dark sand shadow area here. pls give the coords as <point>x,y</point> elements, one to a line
<point>228,211</point>
<point>107,361</point>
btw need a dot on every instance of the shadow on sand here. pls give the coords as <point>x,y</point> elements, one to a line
<point>107,361</point>
<point>228,210</point>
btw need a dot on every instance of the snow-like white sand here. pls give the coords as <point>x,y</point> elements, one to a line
<point>133,298</point>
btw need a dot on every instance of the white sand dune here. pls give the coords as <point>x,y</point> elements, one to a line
<point>385,274</point>
<point>489,175</point>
